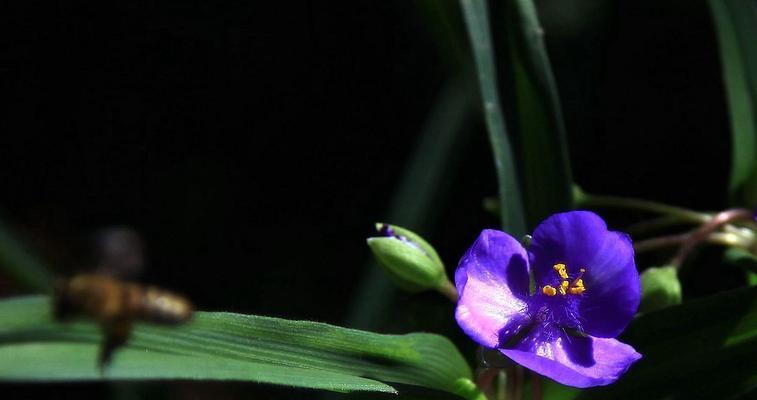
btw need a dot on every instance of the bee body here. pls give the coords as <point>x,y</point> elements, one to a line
<point>115,305</point>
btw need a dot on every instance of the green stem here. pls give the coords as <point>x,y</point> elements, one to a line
<point>583,199</point>
<point>720,238</point>
<point>708,229</point>
<point>449,290</point>
<point>536,391</point>
<point>654,224</point>
<point>466,389</point>
<point>504,385</point>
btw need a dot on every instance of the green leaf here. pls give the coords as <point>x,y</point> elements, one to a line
<point>660,288</point>
<point>415,202</point>
<point>736,26</point>
<point>744,260</point>
<point>510,201</point>
<point>704,348</point>
<point>546,166</point>
<point>19,262</point>
<point>223,346</point>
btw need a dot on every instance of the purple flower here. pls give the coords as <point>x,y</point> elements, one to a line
<point>586,291</point>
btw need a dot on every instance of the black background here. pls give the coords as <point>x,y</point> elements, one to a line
<point>254,144</point>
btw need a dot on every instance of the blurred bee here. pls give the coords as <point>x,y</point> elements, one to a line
<point>115,304</point>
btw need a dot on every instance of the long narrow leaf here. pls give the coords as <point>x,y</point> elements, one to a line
<point>27,270</point>
<point>413,203</point>
<point>735,25</point>
<point>226,346</point>
<point>510,201</point>
<point>546,167</point>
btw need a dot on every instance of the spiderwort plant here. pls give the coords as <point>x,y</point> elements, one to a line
<point>585,291</point>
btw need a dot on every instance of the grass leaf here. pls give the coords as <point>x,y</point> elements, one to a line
<point>546,166</point>
<point>736,26</point>
<point>415,202</point>
<point>28,271</point>
<point>476,17</point>
<point>227,346</point>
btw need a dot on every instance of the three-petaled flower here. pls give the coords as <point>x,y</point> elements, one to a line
<point>586,291</point>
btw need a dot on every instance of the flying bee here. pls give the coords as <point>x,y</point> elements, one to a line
<point>115,304</point>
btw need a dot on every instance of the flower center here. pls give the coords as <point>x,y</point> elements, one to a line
<point>566,287</point>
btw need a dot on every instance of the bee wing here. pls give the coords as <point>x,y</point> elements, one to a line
<point>119,252</point>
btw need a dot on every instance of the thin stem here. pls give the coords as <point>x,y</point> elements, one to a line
<point>720,238</point>
<point>485,380</point>
<point>536,393</point>
<point>590,200</point>
<point>650,225</point>
<point>660,242</point>
<point>519,377</point>
<point>504,385</point>
<point>707,229</point>
<point>449,290</point>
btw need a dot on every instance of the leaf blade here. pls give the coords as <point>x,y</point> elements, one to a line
<point>540,123</point>
<point>238,347</point>
<point>476,17</point>
<point>737,73</point>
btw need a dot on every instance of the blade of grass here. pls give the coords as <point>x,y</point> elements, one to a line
<point>546,167</point>
<point>739,63</point>
<point>28,271</point>
<point>411,205</point>
<point>226,346</point>
<point>476,17</point>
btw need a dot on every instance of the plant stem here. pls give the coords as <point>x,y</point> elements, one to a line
<point>519,379</point>
<point>707,229</point>
<point>536,393</point>
<point>504,385</point>
<point>583,199</point>
<point>665,221</point>
<point>449,290</point>
<point>721,238</point>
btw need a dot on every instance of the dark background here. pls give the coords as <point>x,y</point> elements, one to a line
<point>254,144</point>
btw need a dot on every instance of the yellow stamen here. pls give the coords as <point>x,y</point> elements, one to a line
<point>560,268</point>
<point>563,287</point>
<point>549,290</point>
<point>575,287</point>
<point>577,290</point>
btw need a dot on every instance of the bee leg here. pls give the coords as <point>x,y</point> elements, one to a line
<point>116,333</point>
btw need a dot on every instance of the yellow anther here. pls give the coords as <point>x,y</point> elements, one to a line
<point>561,270</point>
<point>564,287</point>
<point>577,290</point>
<point>549,290</point>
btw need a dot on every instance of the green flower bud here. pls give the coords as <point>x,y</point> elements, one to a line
<point>411,262</point>
<point>660,288</point>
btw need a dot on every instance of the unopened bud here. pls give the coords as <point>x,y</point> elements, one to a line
<point>411,262</point>
<point>660,288</point>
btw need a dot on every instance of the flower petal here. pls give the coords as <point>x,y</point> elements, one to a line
<point>492,280</point>
<point>574,361</point>
<point>580,239</point>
